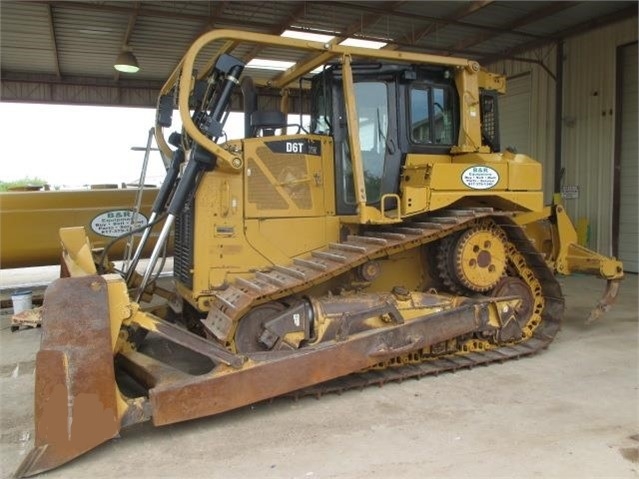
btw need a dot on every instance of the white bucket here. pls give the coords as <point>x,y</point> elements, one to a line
<point>22,301</point>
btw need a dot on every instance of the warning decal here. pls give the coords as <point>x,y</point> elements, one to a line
<point>116,222</point>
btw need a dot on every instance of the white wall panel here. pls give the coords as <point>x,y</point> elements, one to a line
<point>589,125</point>
<point>514,115</point>
<point>588,122</point>
<point>541,86</point>
<point>629,160</point>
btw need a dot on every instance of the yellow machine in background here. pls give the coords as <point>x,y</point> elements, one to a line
<point>30,221</point>
<point>391,238</point>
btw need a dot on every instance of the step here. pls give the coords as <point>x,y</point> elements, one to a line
<point>233,298</point>
<point>450,220</point>
<point>307,263</point>
<point>296,273</point>
<point>351,248</point>
<point>368,239</point>
<point>428,225</point>
<point>337,258</point>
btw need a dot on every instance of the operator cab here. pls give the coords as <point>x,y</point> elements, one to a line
<point>401,109</point>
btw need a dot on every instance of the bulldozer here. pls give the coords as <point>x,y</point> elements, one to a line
<point>389,238</point>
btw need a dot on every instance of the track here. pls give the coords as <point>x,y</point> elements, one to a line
<point>540,339</point>
<point>378,242</point>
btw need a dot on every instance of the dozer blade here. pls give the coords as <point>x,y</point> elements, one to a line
<point>75,393</point>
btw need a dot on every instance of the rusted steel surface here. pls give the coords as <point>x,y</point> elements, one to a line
<point>194,342</point>
<point>219,392</point>
<point>327,369</point>
<point>606,301</point>
<point>75,402</point>
<point>543,336</point>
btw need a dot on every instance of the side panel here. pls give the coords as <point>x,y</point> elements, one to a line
<point>280,206</point>
<point>500,180</point>
<point>285,176</point>
<point>296,236</point>
<point>219,243</point>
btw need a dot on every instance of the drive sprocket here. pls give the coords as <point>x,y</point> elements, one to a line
<point>473,260</point>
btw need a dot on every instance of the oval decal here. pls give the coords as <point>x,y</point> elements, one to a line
<point>116,222</point>
<point>480,177</point>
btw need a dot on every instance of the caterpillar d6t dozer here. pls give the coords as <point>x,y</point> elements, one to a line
<point>391,238</point>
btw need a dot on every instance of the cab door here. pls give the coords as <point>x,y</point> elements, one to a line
<point>377,119</point>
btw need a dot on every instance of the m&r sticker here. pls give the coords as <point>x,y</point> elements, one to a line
<point>480,177</point>
<point>116,222</point>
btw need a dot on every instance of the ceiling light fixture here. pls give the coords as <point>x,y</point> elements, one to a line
<point>126,62</point>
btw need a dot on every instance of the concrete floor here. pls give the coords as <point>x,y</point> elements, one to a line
<point>569,412</point>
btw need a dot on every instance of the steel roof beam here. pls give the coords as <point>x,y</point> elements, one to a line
<point>277,30</point>
<point>414,37</point>
<point>150,13</point>
<point>311,62</point>
<point>54,43</point>
<point>466,10</point>
<point>563,34</point>
<point>381,11</point>
<point>532,17</point>
<point>210,23</point>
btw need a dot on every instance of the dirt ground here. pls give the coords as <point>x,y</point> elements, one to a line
<point>570,411</point>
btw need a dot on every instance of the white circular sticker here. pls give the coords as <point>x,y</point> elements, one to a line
<point>116,222</point>
<point>480,177</point>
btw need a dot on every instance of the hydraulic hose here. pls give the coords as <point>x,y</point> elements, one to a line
<point>159,205</point>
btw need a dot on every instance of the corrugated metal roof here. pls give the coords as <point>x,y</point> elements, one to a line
<point>83,38</point>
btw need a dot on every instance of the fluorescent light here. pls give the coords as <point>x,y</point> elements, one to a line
<point>264,64</point>
<point>356,42</point>
<point>313,37</point>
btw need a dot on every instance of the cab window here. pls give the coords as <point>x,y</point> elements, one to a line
<point>372,110</point>
<point>431,115</point>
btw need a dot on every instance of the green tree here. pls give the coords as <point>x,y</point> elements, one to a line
<point>27,181</point>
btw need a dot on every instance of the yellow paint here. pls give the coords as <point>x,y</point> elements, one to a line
<point>492,81</point>
<point>353,135</point>
<point>467,82</point>
<point>405,269</point>
<point>524,175</point>
<point>429,183</point>
<point>120,306</point>
<point>284,184</point>
<point>76,251</point>
<point>30,221</point>
<point>481,245</point>
<point>317,232</point>
<point>583,226</point>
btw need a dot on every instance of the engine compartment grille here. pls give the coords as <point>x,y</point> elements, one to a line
<point>183,248</point>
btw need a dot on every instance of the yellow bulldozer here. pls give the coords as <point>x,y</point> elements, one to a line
<point>391,237</point>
